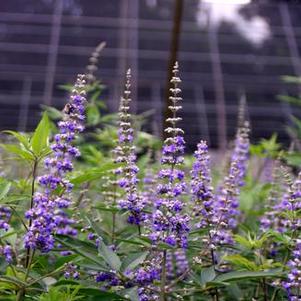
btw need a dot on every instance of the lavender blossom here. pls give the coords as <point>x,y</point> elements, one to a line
<point>46,216</point>
<point>5,214</point>
<point>201,186</point>
<point>277,200</point>
<point>241,152</point>
<point>125,153</point>
<point>7,252</point>
<point>290,203</point>
<point>169,223</point>
<point>71,271</point>
<point>108,279</point>
<point>181,262</point>
<point>145,275</point>
<point>293,281</point>
<point>226,202</point>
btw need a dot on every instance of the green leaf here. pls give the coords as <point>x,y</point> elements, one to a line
<point>4,190</point>
<point>139,241</point>
<point>96,228</point>
<point>52,112</point>
<point>85,249</point>
<point>23,139</point>
<point>131,294</point>
<point>93,115</point>
<point>93,173</point>
<point>109,256</point>
<point>133,260</point>
<point>293,159</point>
<point>207,274</point>
<point>290,99</point>
<point>95,294</point>
<point>39,140</point>
<point>243,241</point>
<point>64,259</point>
<point>241,261</point>
<point>107,208</point>
<point>240,275</point>
<point>17,150</point>
<point>291,79</point>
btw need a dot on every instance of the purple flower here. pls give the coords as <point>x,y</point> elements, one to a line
<point>201,188</point>
<point>47,216</point>
<point>71,271</point>
<point>125,153</point>
<point>290,202</point>
<point>5,214</point>
<point>226,202</point>
<point>7,252</point>
<point>108,278</point>
<point>169,223</point>
<point>293,282</point>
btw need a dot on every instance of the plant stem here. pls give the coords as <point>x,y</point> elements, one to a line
<point>264,287</point>
<point>216,297</point>
<point>274,296</point>
<point>34,175</point>
<point>29,252</point>
<point>82,194</point>
<point>113,226</point>
<point>20,294</point>
<point>114,205</point>
<point>163,278</point>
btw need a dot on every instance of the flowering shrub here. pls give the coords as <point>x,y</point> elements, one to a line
<point>85,218</point>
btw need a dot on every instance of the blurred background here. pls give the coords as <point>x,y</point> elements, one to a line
<point>228,50</point>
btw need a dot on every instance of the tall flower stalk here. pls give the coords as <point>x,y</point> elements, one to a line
<point>226,202</point>
<point>201,188</point>
<point>125,153</point>
<point>290,208</point>
<point>46,215</point>
<point>169,224</point>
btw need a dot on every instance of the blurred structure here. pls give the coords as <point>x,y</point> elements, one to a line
<point>227,50</point>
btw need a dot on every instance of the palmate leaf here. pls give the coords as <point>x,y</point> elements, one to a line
<point>34,148</point>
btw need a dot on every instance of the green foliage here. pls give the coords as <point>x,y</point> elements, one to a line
<point>62,294</point>
<point>243,271</point>
<point>34,148</point>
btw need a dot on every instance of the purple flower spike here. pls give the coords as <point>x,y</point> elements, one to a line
<point>293,281</point>
<point>201,186</point>
<point>169,223</point>
<point>125,153</point>
<point>226,202</point>
<point>47,216</point>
